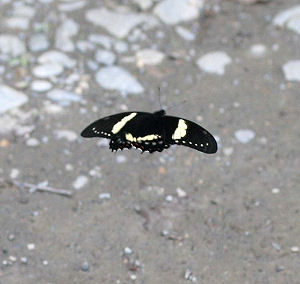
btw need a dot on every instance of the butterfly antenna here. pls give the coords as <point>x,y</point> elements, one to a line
<point>159,97</point>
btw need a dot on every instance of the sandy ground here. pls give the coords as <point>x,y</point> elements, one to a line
<point>178,216</point>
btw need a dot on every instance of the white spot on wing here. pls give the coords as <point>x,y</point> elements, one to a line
<point>150,137</point>
<point>118,126</point>
<point>180,131</point>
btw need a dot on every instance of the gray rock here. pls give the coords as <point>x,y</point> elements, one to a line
<point>64,35</point>
<point>291,70</point>
<point>11,45</point>
<point>175,11</point>
<point>38,42</point>
<point>57,57</point>
<point>117,78</point>
<point>10,98</point>
<point>118,24</point>
<point>105,57</point>
<point>85,46</point>
<point>47,70</point>
<point>64,98</point>
<point>85,266</point>
<point>214,62</point>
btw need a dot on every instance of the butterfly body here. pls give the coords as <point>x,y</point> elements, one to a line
<point>150,132</point>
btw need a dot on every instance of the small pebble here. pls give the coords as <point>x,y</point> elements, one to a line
<point>105,195</point>
<point>258,50</point>
<point>121,159</point>
<point>32,142</point>
<point>169,198</point>
<point>228,151</point>
<point>5,263</point>
<point>127,250</point>
<point>31,246</point>
<point>12,258</point>
<point>275,190</point>
<point>24,260</point>
<point>11,237</point>
<point>85,266</point>
<point>181,193</point>
<point>45,262</point>
<point>69,167</point>
<point>164,233</point>
<point>80,182</point>
<point>295,249</point>
<point>244,135</point>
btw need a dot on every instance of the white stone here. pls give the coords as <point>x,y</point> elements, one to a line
<point>185,33</point>
<point>57,57</point>
<point>41,86</point>
<point>105,57</point>
<point>118,24</point>
<point>214,62</point>
<point>149,57</point>
<point>244,135</point>
<point>175,11</point>
<point>38,42</point>
<point>64,34</point>
<point>144,4</point>
<point>228,151</point>
<point>128,250</point>
<point>47,70</point>
<point>275,190</point>
<point>14,173</point>
<point>105,195</point>
<point>103,40</point>
<point>121,159</point>
<point>181,193</point>
<point>258,50</point>
<point>295,249</point>
<point>72,6</point>
<point>32,142</point>
<point>7,123</point>
<point>289,18</point>
<point>291,70</point>
<point>24,11</point>
<point>11,45</point>
<point>121,46</point>
<point>117,78</point>
<point>20,23</point>
<point>69,135</point>
<point>10,98</point>
<point>64,98</point>
<point>30,246</point>
<point>85,46</point>
<point>80,182</point>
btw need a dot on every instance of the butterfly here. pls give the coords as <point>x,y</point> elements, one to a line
<point>150,132</point>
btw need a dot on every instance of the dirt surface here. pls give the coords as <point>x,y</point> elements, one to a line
<point>179,216</point>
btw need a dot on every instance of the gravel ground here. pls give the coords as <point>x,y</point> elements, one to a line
<point>179,216</point>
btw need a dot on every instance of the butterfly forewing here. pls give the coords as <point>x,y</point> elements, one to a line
<point>104,127</point>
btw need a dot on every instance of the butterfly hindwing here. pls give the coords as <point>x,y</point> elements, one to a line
<point>181,131</point>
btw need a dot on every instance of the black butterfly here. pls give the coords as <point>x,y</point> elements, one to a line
<point>150,132</point>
